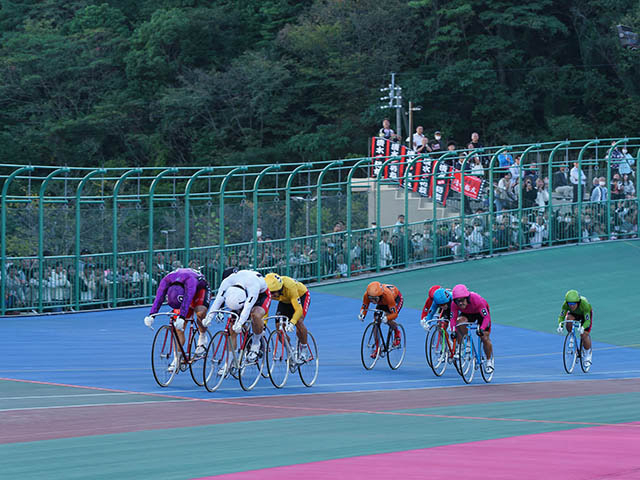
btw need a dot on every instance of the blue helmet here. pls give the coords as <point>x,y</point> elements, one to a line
<point>442,296</point>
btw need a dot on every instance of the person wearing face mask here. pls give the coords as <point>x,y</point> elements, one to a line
<point>599,193</point>
<point>436,144</point>
<point>624,167</point>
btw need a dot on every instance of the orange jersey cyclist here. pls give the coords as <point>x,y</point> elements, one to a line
<point>387,299</point>
<point>293,302</point>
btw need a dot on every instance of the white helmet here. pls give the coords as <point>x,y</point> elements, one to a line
<point>235,297</point>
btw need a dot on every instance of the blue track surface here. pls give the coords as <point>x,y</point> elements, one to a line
<point>111,349</point>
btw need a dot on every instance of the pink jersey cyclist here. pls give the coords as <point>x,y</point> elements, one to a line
<point>477,310</point>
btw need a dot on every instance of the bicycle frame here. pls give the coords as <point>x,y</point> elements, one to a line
<point>476,351</point>
<point>186,355</point>
<point>241,338</point>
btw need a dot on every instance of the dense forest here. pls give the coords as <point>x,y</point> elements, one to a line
<point>191,82</point>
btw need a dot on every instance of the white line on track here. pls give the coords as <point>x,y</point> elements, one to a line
<point>105,394</point>
<point>96,405</point>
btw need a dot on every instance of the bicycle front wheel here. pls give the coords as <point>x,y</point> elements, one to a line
<point>308,370</point>
<point>370,346</point>
<point>251,368</point>
<point>397,347</point>
<point>266,333</point>
<point>164,352</point>
<point>583,363</point>
<point>278,359</point>
<point>216,361</point>
<point>467,359</point>
<point>569,353</point>
<point>195,366</point>
<point>438,352</point>
<point>427,342</point>
<point>487,374</point>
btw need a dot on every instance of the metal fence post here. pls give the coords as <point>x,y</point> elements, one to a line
<point>43,187</point>
<point>608,164</point>
<point>378,232</point>
<point>319,212</point>
<point>223,186</point>
<point>3,234</point>
<point>256,197</point>
<point>410,166</point>
<point>187,213</point>
<point>580,192</point>
<point>350,175</point>
<point>114,253</point>
<point>81,185</point>
<point>549,174</point>
<point>288,209</point>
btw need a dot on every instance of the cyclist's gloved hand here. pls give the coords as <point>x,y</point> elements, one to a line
<point>383,318</point>
<point>237,326</point>
<point>453,335</point>
<point>207,320</point>
<point>581,330</point>
<point>219,317</point>
<point>559,329</point>
<point>148,321</point>
<point>480,332</point>
<point>361,316</point>
<point>179,324</point>
<point>290,327</point>
<point>424,324</point>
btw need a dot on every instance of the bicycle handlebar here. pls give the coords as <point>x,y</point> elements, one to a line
<point>281,320</point>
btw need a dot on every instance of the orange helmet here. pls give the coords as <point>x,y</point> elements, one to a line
<point>374,289</point>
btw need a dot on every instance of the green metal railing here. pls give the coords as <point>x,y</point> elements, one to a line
<point>131,226</point>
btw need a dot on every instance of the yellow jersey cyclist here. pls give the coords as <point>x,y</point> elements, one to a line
<point>577,307</point>
<point>293,302</point>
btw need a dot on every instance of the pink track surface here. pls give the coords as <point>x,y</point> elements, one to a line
<point>608,452</point>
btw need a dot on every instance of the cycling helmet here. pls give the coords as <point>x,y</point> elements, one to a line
<point>235,297</point>
<point>442,296</point>
<point>572,296</point>
<point>432,290</point>
<point>274,282</point>
<point>459,291</point>
<point>175,295</point>
<point>374,289</point>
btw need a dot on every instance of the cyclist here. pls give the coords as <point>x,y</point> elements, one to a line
<point>186,291</point>
<point>388,299</point>
<point>470,307</point>
<point>577,307</point>
<point>293,302</point>
<point>439,298</point>
<point>246,294</point>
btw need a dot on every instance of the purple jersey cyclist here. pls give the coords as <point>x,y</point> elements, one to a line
<point>470,307</point>
<point>186,291</point>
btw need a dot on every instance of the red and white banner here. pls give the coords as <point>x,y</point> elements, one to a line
<point>472,185</point>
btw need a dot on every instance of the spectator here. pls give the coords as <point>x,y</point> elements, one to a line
<point>561,183</point>
<point>341,267</point>
<point>505,196</point>
<point>419,246</point>
<point>473,240</point>
<point>477,169</point>
<point>59,284</point>
<point>614,156</point>
<point>385,250</point>
<point>517,173</point>
<point>328,257</point>
<point>423,147</point>
<point>576,175</point>
<point>386,131</point>
<point>538,232</point>
<point>542,195</point>
<point>617,187</point>
<point>505,160</point>
<point>528,194</point>
<point>88,283</point>
<point>398,228</point>
<point>599,193</point>
<point>475,140</point>
<point>628,187</point>
<point>417,138</point>
<point>626,163</point>
<point>436,145</point>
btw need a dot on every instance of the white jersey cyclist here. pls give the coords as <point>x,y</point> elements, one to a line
<point>241,292</point>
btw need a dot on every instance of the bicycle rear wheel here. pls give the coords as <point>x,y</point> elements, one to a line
<point>438,352</point>
<point>569,353</point>
<point>163,352</point>
<point>583,364</point>
<point>250,370</point>
<point>395,353</point>
<point>216,362</point>
<point>308,370</point>
<point>427,340</point>
<point>195,367</point>
<point>467,359</point>
<point>278,359</point>
<point>370,346</point>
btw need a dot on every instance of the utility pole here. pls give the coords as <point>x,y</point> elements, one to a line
<point>394,101</point>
